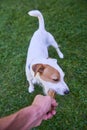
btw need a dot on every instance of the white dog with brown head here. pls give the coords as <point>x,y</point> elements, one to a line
<point>39,67</point>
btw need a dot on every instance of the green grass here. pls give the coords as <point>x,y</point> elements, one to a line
<point>67,21</point>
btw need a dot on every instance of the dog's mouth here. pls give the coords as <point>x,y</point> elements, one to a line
<point>66,92</point>
<point>52,93</point>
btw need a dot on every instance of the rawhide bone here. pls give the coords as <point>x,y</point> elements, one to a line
<point>51,93</point>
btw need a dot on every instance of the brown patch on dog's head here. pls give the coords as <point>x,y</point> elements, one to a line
<point>46,72</point>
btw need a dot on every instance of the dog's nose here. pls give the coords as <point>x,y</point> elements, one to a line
<point>66,92</point>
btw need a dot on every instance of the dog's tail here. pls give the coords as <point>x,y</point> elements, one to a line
<point>37,13</point>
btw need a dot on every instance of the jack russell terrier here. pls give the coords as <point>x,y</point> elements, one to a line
<point>40,68</point>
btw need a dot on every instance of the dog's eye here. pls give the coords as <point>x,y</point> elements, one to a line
<point>55,78</point>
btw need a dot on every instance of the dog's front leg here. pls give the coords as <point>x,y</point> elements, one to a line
<point>30,88</point>
<point>29,79</point>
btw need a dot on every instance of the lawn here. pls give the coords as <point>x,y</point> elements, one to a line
<point>67,21</point>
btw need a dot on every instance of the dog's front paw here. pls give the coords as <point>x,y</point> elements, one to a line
<point>31,89</point>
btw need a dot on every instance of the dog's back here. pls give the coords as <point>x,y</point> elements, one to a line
<point>39,41</point>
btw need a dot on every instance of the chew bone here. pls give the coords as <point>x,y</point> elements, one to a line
<point>52,93</point>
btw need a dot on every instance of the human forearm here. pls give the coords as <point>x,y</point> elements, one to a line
<point>24,119</point>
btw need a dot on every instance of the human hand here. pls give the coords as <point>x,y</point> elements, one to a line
<point>47,106</point>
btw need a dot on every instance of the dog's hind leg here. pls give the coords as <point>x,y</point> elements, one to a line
<point>53,43</point>
<point>59,53</point>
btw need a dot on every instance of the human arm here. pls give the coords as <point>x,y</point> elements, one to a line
<point>30,116</point>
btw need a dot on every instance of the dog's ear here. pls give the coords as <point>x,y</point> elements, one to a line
<point>38,68</point>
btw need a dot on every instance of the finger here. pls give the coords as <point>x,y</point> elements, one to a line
<point>47,116</point>
<point>53,112</point>
<point>54,103</point>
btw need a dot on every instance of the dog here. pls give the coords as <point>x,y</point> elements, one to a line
<point>40,69</point>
